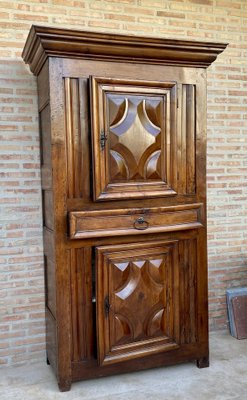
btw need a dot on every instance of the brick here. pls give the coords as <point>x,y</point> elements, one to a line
<point>138,11</point>
<point>32,17</point>
<point>79,4</point>
<point>14,25</point>
<point>154,3</point>
<point>102,24</point>
<point>181,6</point>
<point>98,5</point>
<point>139,28</point>
<point>23,7</point>
<point>202,2</point>
<point>120,17</point>
<point>82,14</point>
<point>8,128</point>
<point>43,9</point>
<point>66,3</point>
<point>169,14</point>
<point>228,4</point>
<point>147,20</point>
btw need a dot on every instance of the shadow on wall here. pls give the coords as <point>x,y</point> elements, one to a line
<point>22,331</point>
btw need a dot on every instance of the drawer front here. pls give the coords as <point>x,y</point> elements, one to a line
<point>90,224</point>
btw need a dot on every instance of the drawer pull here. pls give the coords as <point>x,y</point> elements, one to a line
<point>141,224</point>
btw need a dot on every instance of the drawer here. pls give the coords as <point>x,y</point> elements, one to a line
<point>102,223</point>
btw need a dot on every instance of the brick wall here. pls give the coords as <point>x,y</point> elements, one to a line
<point>21,278</point>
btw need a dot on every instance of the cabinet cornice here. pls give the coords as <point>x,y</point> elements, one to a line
<point>43,42</point>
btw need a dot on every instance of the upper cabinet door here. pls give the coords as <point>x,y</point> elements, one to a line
<point>134,138</point>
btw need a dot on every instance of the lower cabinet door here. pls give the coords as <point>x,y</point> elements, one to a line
<point>137,300</point>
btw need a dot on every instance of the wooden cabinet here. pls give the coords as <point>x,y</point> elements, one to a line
<point>123,137</point>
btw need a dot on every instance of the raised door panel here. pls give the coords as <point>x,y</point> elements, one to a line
<point>137,300</point>
<point>134,138</point>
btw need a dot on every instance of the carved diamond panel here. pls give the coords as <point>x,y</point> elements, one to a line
<point>142,300</point>
<point>139,298</point>
<point>134,138</point>
<point>135,124</point>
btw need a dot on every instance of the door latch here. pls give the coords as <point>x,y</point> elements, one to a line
<point>107,305</point>
<point>103,139</point>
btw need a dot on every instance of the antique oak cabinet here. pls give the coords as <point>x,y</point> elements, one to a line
<point>123,137</point>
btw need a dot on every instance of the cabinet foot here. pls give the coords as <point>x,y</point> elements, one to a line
<point>47,361</point>
<point>64,386</point>
<point>202,362</point>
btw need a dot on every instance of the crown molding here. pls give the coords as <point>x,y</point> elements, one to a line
<point>43,42</point>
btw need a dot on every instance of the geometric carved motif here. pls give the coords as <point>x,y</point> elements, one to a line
<point>146,298</point>
<point>139,299</point>
<point>134,137</point>
<point>134,134</point>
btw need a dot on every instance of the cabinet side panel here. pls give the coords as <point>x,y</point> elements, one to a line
<point>48,209</point>
<point>51,339</point>
<point>48,215</point>
<point>43,86</point>
<point>59,187</point>
<point>50,285</point>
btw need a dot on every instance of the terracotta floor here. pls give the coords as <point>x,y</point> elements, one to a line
<point>226,378</point>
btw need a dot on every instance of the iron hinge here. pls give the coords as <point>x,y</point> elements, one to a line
<point>107,305</point>
<point>103,139</point>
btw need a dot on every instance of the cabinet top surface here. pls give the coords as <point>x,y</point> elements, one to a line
<point>43,42</point>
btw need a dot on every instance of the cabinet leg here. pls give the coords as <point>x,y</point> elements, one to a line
<point>64,385</point>
<point>47,361</point>
<point>203,362</point>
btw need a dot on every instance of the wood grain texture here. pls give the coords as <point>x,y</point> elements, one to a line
<point>43,42</point>
<point>190,139</point>
<point>49,244</point>
<point>187,284</point>
<point>46,177</point>
<point>73,137</point>
<point>43,87</point>
<point>183,354</point>
<point>81,304</point>
<point>45,136</point>
<point>50,284</point>
<point>140,286</point>
<point>134,138</point>
<point>48,209</point>
<point>87,224</point>
<point>62,254</point>
<point>51,339</point>
<point>186,139</point>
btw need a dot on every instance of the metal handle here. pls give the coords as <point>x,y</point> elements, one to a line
<point>141,224</point>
